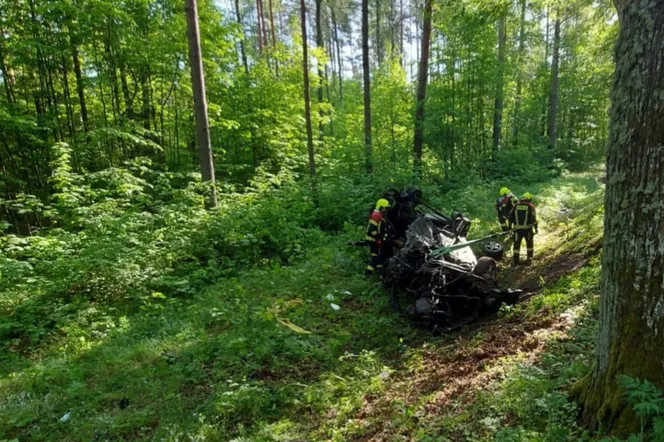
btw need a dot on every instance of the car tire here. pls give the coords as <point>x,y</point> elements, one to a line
<point>494,249</point>
<point>487,268</point>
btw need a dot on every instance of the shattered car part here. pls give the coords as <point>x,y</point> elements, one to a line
<point>450,289</point>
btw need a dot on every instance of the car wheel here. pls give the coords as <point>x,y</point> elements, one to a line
<point>486,268</point>
<point>494,249</point>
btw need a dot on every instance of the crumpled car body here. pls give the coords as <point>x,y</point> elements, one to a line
<point>450,288</point>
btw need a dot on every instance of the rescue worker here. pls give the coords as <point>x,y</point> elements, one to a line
<point>376,236</point>
<point>523,222</point>
<point>504,206</point>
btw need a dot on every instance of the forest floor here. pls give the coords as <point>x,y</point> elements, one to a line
<point>266,356</point>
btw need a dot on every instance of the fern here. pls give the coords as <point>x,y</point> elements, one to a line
<point>648,404</point>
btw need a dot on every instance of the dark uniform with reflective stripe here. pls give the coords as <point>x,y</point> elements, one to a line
<point>376,235</point>
<point>524,223</point>
<point>504,207</point>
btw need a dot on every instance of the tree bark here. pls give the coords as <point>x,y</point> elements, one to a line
<point>339,59</point>
<point>259,30</point>
<point>243,53</point>
<point>402,59</point>
<point>367,87</point>
<point>200,103</point>
<point>498,109</point>
<point>422,88</point>
<point>307,97</point>
<point>128,99</point>
<point>261,15</point>
<point>80,88</point>
<point>519,75</point>
<point>553,100</point>
<point>274,34</point>
<point>4,71</point>
<point>631,323</point>
<point>321,47</point>
<point>145,95</point>
<point>379,42</point>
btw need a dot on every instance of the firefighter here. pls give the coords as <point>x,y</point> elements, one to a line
<point>504,206</point>
<point>376,236</point>
<point>523,222</point>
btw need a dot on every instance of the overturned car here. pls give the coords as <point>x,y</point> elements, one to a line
<point>436,265</point>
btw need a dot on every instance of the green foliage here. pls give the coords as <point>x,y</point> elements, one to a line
<point>521,165</point>
<point>647,401</point>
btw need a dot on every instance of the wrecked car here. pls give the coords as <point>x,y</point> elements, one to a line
<point>437,267</point>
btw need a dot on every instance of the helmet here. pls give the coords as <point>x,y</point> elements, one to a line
<point>382,204</point>
<point>527,196</point>
<point>504,191</point>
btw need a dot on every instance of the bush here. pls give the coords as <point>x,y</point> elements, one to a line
<point>522,165</point>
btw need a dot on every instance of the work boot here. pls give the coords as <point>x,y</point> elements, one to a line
<point>515,260</point>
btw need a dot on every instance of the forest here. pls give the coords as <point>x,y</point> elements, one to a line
<point>180,181</point>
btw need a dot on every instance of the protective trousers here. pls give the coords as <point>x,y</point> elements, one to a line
<point>519,236</point>
<point>504,223</point>
<point>377,258</point>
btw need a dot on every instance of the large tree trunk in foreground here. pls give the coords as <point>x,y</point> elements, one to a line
<point>367,86</point>
<point>307,98</point>
<point>200,103</point>
<point>631,332</point>
<point>422,88</point>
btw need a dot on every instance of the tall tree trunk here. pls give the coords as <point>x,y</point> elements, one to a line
<point>274,34</point>
<point>422,87</point>
<point>379,41</point>
<point>631,316</point>
<point>80,87</point>
<point>367,87</point>
<point>4,71</point>
<point>321,47</point>
<point>125,90</point>
<point>262,19</point>
<point>243,53</point>
<point>200,103</point>
<point>307,98</point>
<point>519,75</point>
<point>259,29</point>
<point>546,64</point>
<point>553,100</point>
<point>393,34</point>
<point>145,95</point>
<point>339,59</point>
<point>498,109</point>
<point>402,60</point>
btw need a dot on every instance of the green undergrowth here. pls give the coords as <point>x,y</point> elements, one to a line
<point>522,398</point>
<point>530,401</point>
<point>138,315</point>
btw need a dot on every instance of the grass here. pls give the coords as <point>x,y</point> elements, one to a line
<point>265,357</point>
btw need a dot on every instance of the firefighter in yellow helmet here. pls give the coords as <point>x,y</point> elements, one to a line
<point>376,236</point>
<point>504,206</point>
<point>524,223</point>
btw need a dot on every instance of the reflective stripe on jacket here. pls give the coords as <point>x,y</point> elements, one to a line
<point>376,227</point>
<point>524,216</point>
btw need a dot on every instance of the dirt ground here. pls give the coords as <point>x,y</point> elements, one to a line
<point>449,375</point>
